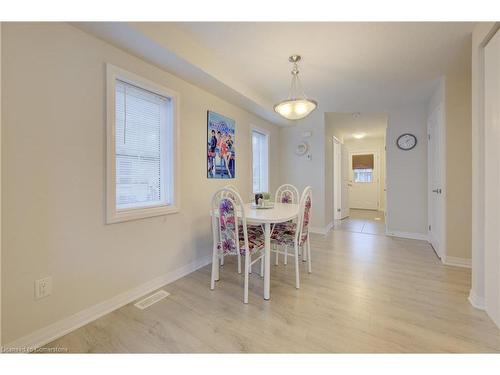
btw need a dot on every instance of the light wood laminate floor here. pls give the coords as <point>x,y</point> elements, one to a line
<point>362,221</point>
<point>367,293</point>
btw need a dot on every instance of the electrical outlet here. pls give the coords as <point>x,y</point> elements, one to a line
<point>43,287</point>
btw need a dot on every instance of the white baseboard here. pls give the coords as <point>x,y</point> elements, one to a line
<point>319,230</point>
<point>412,236</point>
<point>477,302</point>
<point>457,262</point>
<point>58,329</point>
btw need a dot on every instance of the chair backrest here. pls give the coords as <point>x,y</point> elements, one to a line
<point>226,203</point>
<point>287,194</point>
<point>304,215</point>
<point>230,190</point>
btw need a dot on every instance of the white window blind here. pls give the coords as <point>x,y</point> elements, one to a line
<point>260,161</point>
<point>363,175</point>
<point>141,147</point>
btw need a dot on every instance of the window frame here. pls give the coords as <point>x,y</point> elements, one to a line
<point>113,214</point>
<point>268,135</point>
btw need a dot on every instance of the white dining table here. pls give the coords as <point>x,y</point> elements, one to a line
<point>280,213</point>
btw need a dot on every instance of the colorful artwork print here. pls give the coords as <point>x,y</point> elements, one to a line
<point>221,154</point>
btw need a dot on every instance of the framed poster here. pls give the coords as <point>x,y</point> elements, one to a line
<point>221,153</point>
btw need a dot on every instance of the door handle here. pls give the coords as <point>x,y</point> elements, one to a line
<point>438,191</point>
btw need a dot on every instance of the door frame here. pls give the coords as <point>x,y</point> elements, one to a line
<point>442,166</point>
<point>376,155</point>
<point>337,179</point>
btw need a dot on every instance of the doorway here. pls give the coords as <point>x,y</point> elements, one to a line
<point>364,181</point>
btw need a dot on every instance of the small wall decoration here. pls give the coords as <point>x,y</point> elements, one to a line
<point>221,153</point>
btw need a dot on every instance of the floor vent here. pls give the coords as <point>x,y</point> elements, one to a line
<point>152,299</point>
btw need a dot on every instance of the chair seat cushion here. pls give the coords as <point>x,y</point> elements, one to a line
<point>284,234</point>
<point>255,241</point>
<point>289,226</point>
<point>256,238</point>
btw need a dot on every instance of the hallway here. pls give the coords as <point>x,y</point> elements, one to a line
<point>362,221</point>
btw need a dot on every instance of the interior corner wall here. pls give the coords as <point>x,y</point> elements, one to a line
<point>458,130</point>
<point>407,171</point>
<point>480,35</point>
<point>53,178</point>
<point>298,170</point>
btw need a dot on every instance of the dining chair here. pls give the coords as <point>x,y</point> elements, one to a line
<point>230,193</point>
<point>286,193</point>
<point>232,236</point>
<point>297,235</point>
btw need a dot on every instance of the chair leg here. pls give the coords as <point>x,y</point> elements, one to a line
<point>250,264</point>
<point>309,255</point>
<point>239,263</point>
<point>286,255</point>
<point>262,267</point>
<point>215,268</point>
<point>304,253</point>
<point>245,286</point>
<point>276,262</point>
<point>297,281</point>
<point>222,259</point>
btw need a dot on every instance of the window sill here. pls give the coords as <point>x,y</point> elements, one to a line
<point>140,213</point>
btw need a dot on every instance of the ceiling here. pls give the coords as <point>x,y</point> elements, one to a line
<point>373,125</point>
<point>346,66</point>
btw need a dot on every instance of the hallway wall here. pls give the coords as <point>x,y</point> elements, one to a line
<point>407,173</point>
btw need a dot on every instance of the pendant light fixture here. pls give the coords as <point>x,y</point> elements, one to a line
<point>297,106</point>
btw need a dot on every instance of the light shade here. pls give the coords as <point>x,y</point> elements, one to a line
<point>295,109</point>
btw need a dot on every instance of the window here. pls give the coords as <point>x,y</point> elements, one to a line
<point>141,179</point>
<point>260,161</point>
<point>362,166</point>
<point>363,175</point>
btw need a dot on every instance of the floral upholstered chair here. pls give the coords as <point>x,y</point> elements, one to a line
<point>232,236</point>
<point>286,193</point>
<point>297,235</point>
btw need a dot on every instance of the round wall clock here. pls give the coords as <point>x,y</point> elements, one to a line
<point>406,141</point>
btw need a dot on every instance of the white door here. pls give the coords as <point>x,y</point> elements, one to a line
<point>363,186</point>
<point>492,177</point>
<point>344,195</point>
<point>337,180</point>
<point>435,181</point>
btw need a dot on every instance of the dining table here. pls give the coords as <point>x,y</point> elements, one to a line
<point>267,216</point>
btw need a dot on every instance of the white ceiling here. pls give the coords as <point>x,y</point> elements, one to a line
<point>373,125</point>
<point>346,67</point>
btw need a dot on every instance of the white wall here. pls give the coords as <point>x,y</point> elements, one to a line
<point>1,184</point>
<point>480,36</point>
<point>53,177</point>
<point>372,144</point>
<point>458,130</point>
<point>299,171</point>
<point>407,172</point>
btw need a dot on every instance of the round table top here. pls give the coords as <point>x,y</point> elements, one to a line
<point>280,213</point>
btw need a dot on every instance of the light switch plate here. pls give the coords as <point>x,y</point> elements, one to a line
<point>43,287</point>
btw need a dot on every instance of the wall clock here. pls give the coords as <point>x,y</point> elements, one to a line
<point>406,141</point>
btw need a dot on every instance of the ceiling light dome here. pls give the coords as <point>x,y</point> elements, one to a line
<point>297,106</point>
